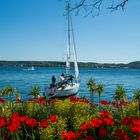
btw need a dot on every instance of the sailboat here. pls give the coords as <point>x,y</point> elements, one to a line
<point>69,85</point>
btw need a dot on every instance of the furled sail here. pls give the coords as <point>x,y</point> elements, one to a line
<point>75,63</point>
<point>68,61</point>
<point>75,55</point>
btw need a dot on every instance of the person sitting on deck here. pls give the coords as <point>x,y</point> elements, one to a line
<point>62,81</point>
<point>70,79</point>
<point>62,77</point>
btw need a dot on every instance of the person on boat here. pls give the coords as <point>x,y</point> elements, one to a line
<point>70,79</point>
<point>62,77</point>
<point>62,80</point>
<point>53,79</point>
<point>53,82</point>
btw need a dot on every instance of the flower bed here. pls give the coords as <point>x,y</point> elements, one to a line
<point>69,119</point>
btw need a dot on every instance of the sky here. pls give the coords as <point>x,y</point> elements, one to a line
<point>36,30</point>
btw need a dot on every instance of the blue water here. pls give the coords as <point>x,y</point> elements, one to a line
<point>23,79</point>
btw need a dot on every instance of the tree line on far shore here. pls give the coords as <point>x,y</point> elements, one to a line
<point>135,64</point>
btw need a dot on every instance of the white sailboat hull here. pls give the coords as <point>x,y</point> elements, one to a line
<point>68,90</point>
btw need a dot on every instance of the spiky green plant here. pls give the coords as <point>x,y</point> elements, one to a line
<point>35,91</point>
<point>100,90</point>
<point>136,97</point>
<point>92,87</point>
<point>120,94</point>
<point>7,91</point>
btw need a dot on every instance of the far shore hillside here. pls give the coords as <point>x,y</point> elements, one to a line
<point>135,64</point>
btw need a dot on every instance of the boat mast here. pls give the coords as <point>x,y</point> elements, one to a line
<point>69,42</point>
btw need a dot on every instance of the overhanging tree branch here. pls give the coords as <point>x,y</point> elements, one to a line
<point>93,7</point>
<point>119,5</point>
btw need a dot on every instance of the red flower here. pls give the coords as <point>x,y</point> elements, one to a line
<point>136,122</point>
<point>79,133</point>
<point>2,121</point>
<point>31,100</point>
<point>133,129</point>
<point>96,122</point>
<point>124,103</point>
<point>74,99</point>
<point>85,126</point>
<point>85,101</point>
<point>31,123</point>
<point>1,100</point>
<point>23,119</point>
<point>135,125</point>
<point>119,133</point>
<point>15,115</point>
<point>88,137</point>
<point>17,100</point>
<point>68,136</point>
<point>113,103</point>
<point>104,102</point>
<point>14,124</point>
<point>126,121</point>
<point>109,121</point>
<point>126,137</point>
<point>54,100</point>
<point>104,114</point>
<point>117,106</point>
<point>95,105</point>
<point>53,118</point>
<point>43,124</point>
<point>42,100</point>
<point>63,134</point>
<point>103,132</point>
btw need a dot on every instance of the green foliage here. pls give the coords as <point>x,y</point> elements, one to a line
<point>35,91</point>
<point>62,107</point>
<point>94,88</point>
<point>131,110</point>
<point>136,96</point>
<point>91,85</point>
<point>47,133</point>
<point>53,131</point>
<point>120,94</point>
<point>72,113</point>
<point>100,89</point>
<point>7,91</point>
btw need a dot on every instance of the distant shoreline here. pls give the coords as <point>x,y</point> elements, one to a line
<point>135,64</point>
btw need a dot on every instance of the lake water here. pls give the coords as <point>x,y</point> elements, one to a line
<point>23,79</point>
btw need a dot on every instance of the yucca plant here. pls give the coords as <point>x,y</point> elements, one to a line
<point>35,91</point>
<point>120,94</point>
<point>7,91</point>
<point>100,90</point>
<point>92,87</point>
<point>136,97</point>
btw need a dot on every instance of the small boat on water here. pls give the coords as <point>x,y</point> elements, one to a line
<point>69,84</point>
<point>31,68</point>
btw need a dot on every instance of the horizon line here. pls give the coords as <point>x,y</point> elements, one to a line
<point>64,61</point>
